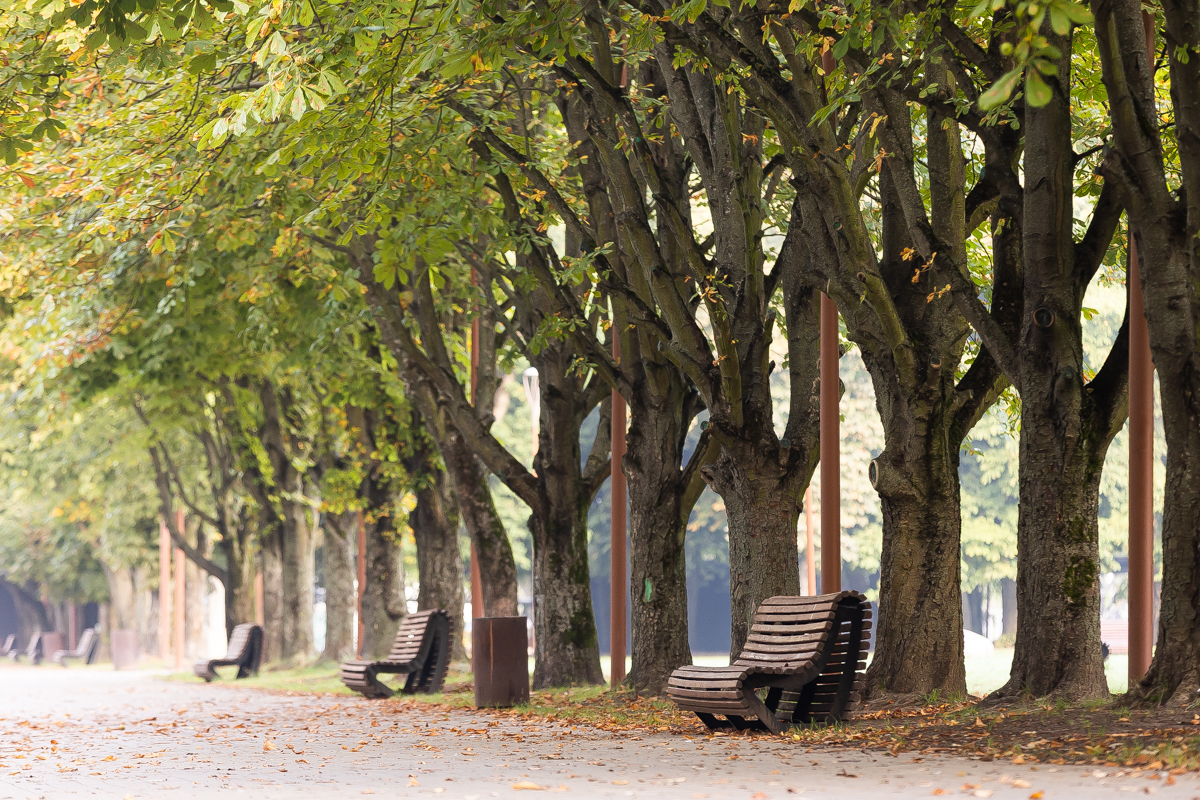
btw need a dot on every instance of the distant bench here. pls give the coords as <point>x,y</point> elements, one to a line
<point>244,652</point>
<point>804,651</point>
<point>421,651</point>
<point>85,649</point>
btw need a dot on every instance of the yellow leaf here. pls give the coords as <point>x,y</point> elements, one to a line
<point>527,785</point>
<point>268,745</point>
<point>413,782</point>
<point>1036,796</point>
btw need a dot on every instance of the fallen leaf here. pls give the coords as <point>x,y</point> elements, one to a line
<point>1170,781</point>
<point>1018,759</point>
<point>1036,796</point>
<point>368,791</point>
<point>940,791</point>
<point>268,745</point>
<point>966,787</point>
<point>979,723</point>
<point>758,796</point>
<point>845,774</point>
<point>1021,783</point>
<point>412,782</point>
<point>531,785</point>
<point>982,793</point>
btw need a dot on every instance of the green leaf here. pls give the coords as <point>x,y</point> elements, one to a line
<point>1037,91</point>
<point>1000,91</point>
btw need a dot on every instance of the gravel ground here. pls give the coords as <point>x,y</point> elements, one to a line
<point>96,733</point>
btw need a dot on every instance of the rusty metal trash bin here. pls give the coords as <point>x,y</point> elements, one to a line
<point>500,661</point>
<point>124,649</point>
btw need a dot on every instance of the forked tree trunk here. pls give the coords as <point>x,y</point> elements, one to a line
<point>497,567</point>
<point>340,531</point>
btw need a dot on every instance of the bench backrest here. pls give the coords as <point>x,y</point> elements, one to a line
<point>8,643</point>
<point>86,639</point>
<point>35,643</point>
<point>407,644</point>
<point>790,631</point>
<point>239,640</point>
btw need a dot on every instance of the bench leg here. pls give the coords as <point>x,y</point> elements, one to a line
<point>712,722</point>
<point>765,715</point>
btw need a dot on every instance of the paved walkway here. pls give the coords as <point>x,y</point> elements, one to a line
<point>95,733</point>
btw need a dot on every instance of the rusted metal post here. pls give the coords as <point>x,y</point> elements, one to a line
<point>360,571</point>
<point>180,600</point>
<point>260,615</point>
<point>1141,481</point>
<point>618,563</point>
<point>164,590</point>
<point>72,626</point>
<point>1141,458</point>
<point>831,478</point>
<point>477,609</point>
<point>809,545</point>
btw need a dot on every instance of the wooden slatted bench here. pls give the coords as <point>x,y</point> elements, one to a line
<point>9,645</point>
<point>244,652</point>
<point>33,651</point>
<point>89,643</point>
<point>421,651</point>
<point>800,665</point>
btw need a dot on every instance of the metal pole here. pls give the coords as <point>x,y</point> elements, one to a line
<point>477,609</point>
<point>164,590</point>
<point>809,545</point>
<point>180,599</point>
<point>360,567</point>
<point>831,479</point>
<point>260,616</point>
<point>618,588</point>
<point>1141,457</point>
<point>72,626</point>
<point>1141,480</point>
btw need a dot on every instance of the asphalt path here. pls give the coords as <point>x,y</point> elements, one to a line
<point>102,734</point>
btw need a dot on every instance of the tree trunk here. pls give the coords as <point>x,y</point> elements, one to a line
<point>340,531</point>
<point>566,648</point>
<point>497,568</point>
<point>241,568</point>
<point>383,603</point>
<point>434,522</point>
<point>919,639</point>
<point>30,610</point>
<point>659,507</point>
<point>1064,437</point>
<point>272,569</point>
<point>298,580</point>
<point>762,502</point>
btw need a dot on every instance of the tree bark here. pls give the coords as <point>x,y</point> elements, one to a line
<point>271,550</point>
<point>383,604</point>
<point>1065,430</point>
<point>1165,220</point>
<point>434,523</point>
<point>340,531</point>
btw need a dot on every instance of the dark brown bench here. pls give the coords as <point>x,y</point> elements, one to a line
<point>33,651</point>
<point>86,648</point>
<point>244,652</point>
<point>9,645</point>
<point>800,665</point>
<point>421,651</point>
